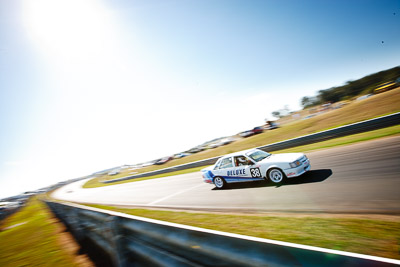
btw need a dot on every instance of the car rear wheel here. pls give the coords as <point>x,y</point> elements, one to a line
<point>276,175</point>
<point>219,182</point>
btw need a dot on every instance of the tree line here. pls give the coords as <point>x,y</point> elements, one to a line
<point>351,89</point>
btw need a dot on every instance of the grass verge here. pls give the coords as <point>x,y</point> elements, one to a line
<point>376,236</point>
<point>389,131</point>
<point>32,237</point>
<point>96,183</point>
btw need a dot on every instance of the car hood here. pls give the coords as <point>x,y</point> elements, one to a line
<point>284,157</point>
<point>209,168</point>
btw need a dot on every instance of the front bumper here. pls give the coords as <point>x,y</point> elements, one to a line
<point>295,172</point>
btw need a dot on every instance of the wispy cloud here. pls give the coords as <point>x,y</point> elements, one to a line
<point>14,163</point>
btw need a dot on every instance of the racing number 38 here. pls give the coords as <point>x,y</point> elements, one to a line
<point>255,173</point>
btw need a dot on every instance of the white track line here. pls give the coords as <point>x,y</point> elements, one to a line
<point>177,193</point>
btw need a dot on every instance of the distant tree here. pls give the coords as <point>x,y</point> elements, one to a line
<point>330,95</point>
<point>307,101</point>
<point>352,88</point>
<point>281,112</point>
<point>277,114</point>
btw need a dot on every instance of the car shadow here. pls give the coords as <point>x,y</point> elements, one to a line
<point>313,176</point>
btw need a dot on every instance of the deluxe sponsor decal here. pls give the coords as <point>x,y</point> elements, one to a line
<point>236,172</point>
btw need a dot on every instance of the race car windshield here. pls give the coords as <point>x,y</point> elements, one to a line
<point>258,155</point>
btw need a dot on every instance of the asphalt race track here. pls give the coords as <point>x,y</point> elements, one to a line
<point>358,178</point>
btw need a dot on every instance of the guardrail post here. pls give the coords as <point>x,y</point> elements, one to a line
<point>75,225</point>
<point>117,241</point>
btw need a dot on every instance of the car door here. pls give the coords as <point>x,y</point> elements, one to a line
<point>226,169</point>
<point>245,168</point>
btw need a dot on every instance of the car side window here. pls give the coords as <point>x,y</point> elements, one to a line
<point>226,163</point>
<point>241,161</point>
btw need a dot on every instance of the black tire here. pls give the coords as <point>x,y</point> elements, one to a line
<point>276,175</point>
<point>219,182</point>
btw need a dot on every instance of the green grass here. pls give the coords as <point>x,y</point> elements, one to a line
<point>372,236</point>
<point>389,131</point>
<point>33,243</point>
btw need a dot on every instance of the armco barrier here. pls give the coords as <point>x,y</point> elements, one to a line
<point>135,241</point>
<point>6,213</point>
<point>359,127</point>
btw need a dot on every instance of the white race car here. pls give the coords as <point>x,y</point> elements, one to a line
<point>255,165</point>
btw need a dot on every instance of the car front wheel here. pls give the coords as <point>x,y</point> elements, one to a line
<point>219,182</point>
<point>276,175</point>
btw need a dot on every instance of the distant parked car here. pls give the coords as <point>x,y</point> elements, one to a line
<point>181,155</point>
<point>214,145</point>
<point>257,130</point>
<point>340,104</point>
<point>387,86</point>
<point>226,141</point>
<point>148,163</point>
<point>270,125</point>
<point>113,172</point>
<point>309,116</point>
<point>5,205</point>
<point>221,142</point>
<point>246,133</point>
<point>163,160</point>
<point>363,97</point>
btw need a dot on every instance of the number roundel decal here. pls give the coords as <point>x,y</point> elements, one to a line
<point>255,173</point>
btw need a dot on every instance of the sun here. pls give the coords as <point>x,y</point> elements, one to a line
<point>69,29</point>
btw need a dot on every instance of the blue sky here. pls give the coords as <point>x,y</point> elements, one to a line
<point>87,85</point>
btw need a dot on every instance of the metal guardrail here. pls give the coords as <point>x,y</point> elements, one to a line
<point>136,241</point>
<point>359,127</point>
<point>6,213</point>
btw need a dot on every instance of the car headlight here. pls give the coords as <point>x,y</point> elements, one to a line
<point>295,164</point>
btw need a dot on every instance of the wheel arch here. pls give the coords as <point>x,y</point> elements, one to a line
<point>274,166</point>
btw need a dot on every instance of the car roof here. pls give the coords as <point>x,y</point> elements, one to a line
<point>239,153</point>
